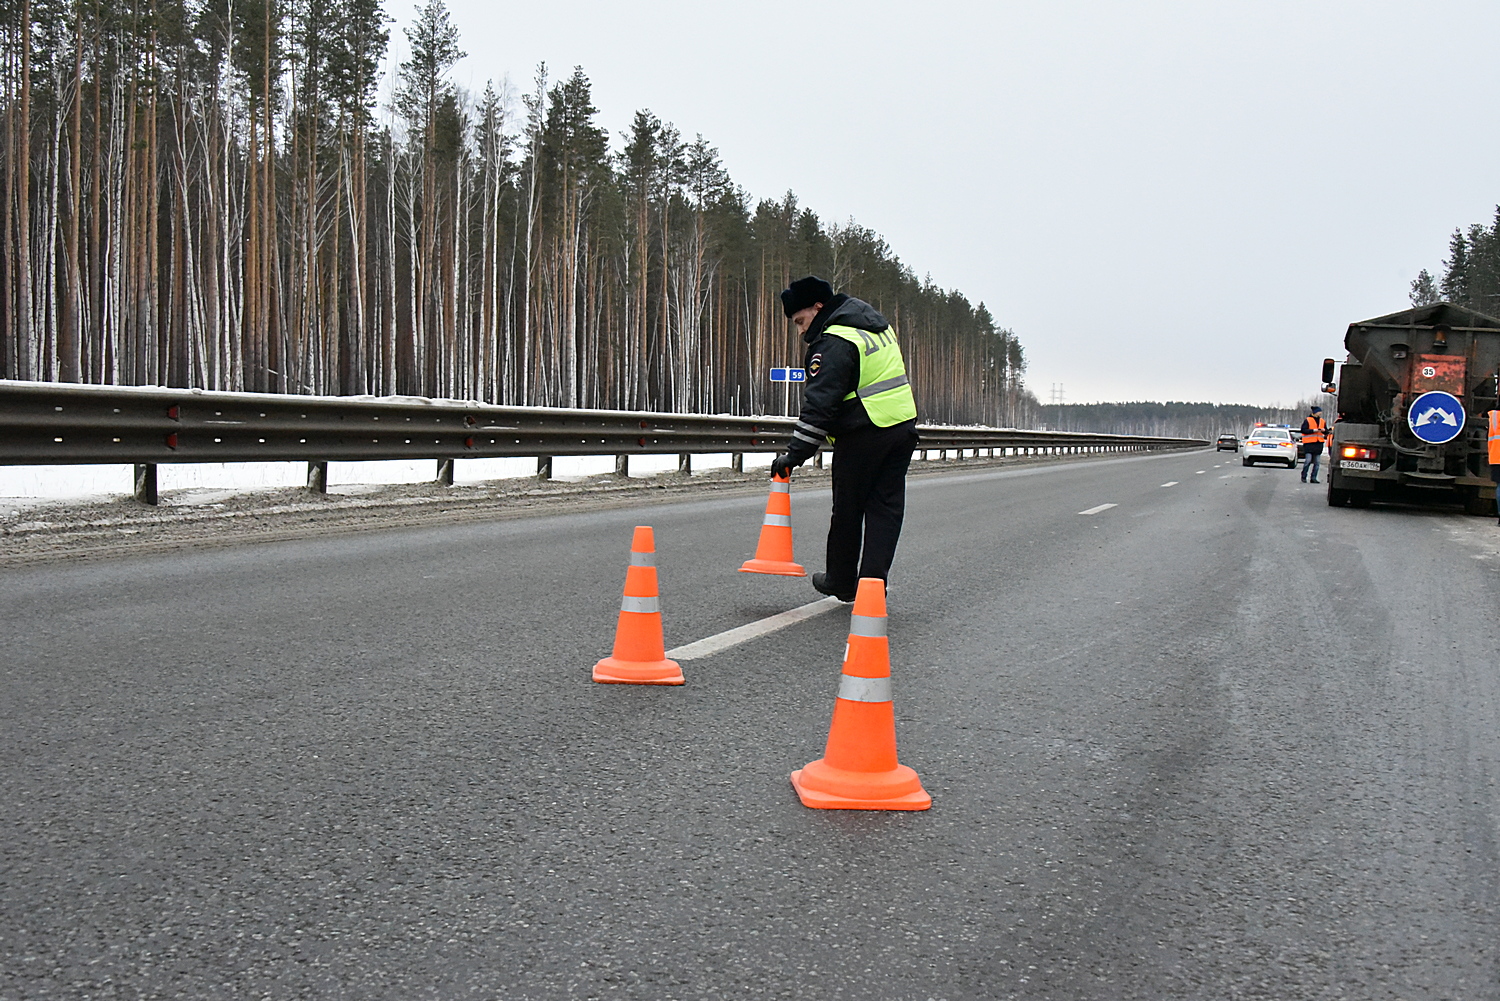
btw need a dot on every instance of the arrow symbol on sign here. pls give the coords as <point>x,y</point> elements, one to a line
<point>1437,413</point>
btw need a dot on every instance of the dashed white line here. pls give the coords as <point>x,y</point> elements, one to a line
<point>1200,472</point>
<point>743,634</point>
<point>1170,483</point>
<point>1096,510</point>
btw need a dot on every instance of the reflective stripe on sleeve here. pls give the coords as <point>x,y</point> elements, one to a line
<point>643,559</point>
<point>782,520</point>
<point>813,428</point>
<point>806,437</point>
<point>876,388</point>
<point>864,689</point>
<point>633,604</point>
<point>866,625</point>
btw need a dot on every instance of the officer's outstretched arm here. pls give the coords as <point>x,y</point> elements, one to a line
<point>833,373</point>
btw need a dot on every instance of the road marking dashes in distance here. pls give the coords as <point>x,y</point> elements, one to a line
<point>1100,508</point>
<point>1170,483</point>
<point>752,630</point>
<point>1200,472</point>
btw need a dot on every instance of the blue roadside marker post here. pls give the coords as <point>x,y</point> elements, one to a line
<point>788,376</point>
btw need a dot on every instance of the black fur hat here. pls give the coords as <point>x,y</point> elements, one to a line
<point>805,292</point>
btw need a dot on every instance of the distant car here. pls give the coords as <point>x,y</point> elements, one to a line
<point>1227,443</point>
<point>1269,445</point>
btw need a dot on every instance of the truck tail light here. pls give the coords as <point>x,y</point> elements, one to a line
<point>1358,452</point>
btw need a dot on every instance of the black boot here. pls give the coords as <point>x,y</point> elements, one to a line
<point>820,583</point>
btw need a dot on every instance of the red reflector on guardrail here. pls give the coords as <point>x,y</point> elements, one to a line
<point>172,438</point>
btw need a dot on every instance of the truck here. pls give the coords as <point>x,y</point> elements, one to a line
<point>1412,408</point>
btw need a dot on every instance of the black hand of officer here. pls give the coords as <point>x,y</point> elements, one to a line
<point>782,466</point>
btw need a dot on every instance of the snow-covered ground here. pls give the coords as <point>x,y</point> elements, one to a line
<point>210,481</point>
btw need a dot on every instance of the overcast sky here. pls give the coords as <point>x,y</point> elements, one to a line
<point>1165,200</point>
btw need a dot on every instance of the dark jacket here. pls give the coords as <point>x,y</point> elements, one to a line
<point>832,365</point>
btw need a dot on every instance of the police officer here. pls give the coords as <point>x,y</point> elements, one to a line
<point>1314,433</point>
<point>857,398</point>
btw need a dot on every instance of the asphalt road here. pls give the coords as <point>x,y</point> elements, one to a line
<point>1217,741</point>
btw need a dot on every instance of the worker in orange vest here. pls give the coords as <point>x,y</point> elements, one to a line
<point>1314,434</point>
<point>1495,447</point>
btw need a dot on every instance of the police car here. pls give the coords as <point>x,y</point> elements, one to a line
<point>1269,444</point>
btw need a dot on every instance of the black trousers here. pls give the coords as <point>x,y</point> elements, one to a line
<point>869,501</point>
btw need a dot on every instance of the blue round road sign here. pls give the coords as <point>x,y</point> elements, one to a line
<point>1436,417</point>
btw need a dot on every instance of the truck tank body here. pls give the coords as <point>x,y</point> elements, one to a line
<point>1393,360</point>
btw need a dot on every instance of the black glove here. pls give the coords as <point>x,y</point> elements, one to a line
<point>783,465</point>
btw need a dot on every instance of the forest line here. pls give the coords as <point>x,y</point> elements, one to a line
<point>201,193</point>
<point>1470,276</point>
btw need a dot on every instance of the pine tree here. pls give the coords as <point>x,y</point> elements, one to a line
<point>1424,290</point>
<point>1455,283</point>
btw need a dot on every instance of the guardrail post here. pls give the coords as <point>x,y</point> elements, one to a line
<point>145,483</point>
<point>622,465</point>
<point>737,461</point>
<point>445,472</point>
<point>685,463</point>
<point>544,467</point>
<point>317,477</point>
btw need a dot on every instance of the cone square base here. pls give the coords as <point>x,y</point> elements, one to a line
<point>780,568</point>
<point>899,789</point>
<point>611,671</point>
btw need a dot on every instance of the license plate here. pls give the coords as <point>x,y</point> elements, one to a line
<point>1369,467</point>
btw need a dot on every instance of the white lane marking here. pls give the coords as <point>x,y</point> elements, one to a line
<point>1200,472</point>
<point>743,634</point>
<point>1096,510</point>
<point>1170,483</point>
<point>1225,476</point>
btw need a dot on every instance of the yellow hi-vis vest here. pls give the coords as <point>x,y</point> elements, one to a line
<point>1495,437</point>
<point>883,387</point>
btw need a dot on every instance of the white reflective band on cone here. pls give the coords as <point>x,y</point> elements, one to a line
<point>864,689</point>
<point>780,488</point>
<point>866,625</point>
<point>632,604</point>
<point>784,520</point>
<point>643,559</point>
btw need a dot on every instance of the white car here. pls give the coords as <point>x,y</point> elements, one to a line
<point>1269,445</point>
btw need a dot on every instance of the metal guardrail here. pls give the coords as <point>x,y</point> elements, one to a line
<point>63,423</point>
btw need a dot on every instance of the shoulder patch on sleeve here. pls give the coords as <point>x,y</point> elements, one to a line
<point>814,364</point>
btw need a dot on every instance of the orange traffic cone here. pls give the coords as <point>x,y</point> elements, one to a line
<point>858,770</point>
<point>774,554</point>
<point>640,656</point>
